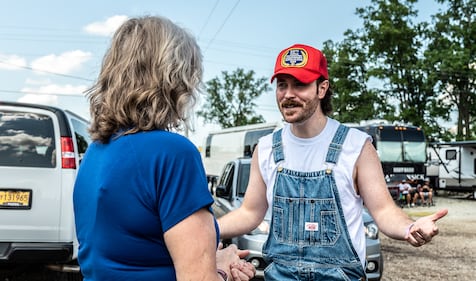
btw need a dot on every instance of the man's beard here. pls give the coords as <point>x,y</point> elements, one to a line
<point>305,110</point>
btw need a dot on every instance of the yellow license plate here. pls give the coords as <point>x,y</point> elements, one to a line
<point>13,199</point>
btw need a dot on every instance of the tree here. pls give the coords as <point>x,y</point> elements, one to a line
<point>394,49</point>
<point>451,56</point>
<point>230,101</point>
<point>353,100</point>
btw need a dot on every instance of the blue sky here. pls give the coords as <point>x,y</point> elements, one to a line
<point>51,50</point>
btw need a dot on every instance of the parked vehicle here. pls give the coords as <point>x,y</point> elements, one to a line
<point>401,148</point>
<point>229,193</point>
<point>227,144</point>
<point>452,166</point>
<point>40,150</point>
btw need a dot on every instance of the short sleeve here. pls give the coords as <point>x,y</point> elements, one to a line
<point>182,185</point>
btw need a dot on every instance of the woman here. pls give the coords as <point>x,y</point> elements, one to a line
<point>141,200</point>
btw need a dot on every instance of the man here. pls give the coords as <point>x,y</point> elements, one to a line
<point>414,194</point>
<point>426,192</point>
<point>315,175</point>
<point>405,188</point>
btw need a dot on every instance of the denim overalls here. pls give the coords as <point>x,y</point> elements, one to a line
<point>308,237</point>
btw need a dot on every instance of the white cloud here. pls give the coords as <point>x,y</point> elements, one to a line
<point>39,99</point>
<point>11,62</point>
<point>106,28</point>
<point>54,89</point>
<point>63,96</point>
<point>64,63</point>
<point>30,81</point>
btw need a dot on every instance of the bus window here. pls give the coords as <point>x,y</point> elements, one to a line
<point>386,134</point>
<point>413,135</point>
<point>401,145</point>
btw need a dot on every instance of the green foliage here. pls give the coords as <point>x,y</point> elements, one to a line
<point>421,71</point>
<point>451,56</point>
<point>230,101</point>
<point>393,48</point>
<point>352,99</point>
<point>390,68</point>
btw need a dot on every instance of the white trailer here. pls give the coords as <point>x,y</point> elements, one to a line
<point>456,162</point>
<point>227,144</point>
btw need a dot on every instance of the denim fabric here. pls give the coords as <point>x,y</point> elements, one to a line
<point>308,237</point>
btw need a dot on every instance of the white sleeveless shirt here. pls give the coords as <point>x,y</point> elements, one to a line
<point>308,155</point>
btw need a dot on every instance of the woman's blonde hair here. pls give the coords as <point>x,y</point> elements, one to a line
<point>149,79</point>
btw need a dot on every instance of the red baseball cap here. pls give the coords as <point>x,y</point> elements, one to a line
<point>303,62</point>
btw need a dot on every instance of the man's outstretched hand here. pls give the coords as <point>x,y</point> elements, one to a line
<point>424,229</point>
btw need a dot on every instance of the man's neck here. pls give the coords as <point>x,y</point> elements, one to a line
<point>309,128</point>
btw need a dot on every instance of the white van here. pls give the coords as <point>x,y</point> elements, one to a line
<point>227,144</point>
<point>40,150</point>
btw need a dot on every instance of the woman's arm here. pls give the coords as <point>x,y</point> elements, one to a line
<point>192,245</point>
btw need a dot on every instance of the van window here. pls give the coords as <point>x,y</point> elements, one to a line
<point>26,140</point>
<point>83,138</point>
<point>208,145</point>
<point>474,166</point>
<point>226,180</point>
<point>251,140</point>
<point>243,179</point>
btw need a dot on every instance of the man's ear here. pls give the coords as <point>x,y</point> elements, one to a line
<point>322,89</point>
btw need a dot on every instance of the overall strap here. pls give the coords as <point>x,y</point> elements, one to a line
<point>336,145</point>
<point>278,153</point>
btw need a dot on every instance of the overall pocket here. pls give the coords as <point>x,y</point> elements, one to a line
<point>306,221</point>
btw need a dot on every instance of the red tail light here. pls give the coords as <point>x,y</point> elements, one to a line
<point>67,153</point>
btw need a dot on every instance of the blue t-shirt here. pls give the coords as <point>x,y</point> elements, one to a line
<point>127,194</point>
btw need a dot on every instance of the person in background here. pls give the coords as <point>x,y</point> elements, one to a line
<point>141,201</point>
<point>414,194</point>
<point>405,197</point>
<point>315,175</point>
<point>426,193</point>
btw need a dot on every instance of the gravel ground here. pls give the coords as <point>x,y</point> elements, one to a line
<point>449,256</point>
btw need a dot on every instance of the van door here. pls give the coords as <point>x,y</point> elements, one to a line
<point>30,185</point>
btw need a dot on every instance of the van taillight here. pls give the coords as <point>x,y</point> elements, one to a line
<point>67,153</point>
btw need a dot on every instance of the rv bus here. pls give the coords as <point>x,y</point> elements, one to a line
<point>401,148</point>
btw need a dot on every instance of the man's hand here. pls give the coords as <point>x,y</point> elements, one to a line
<point>239,270</point>
<point>242,271</point>
<point>424,229</point>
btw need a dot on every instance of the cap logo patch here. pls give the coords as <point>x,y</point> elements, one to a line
<point>295,57</point>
